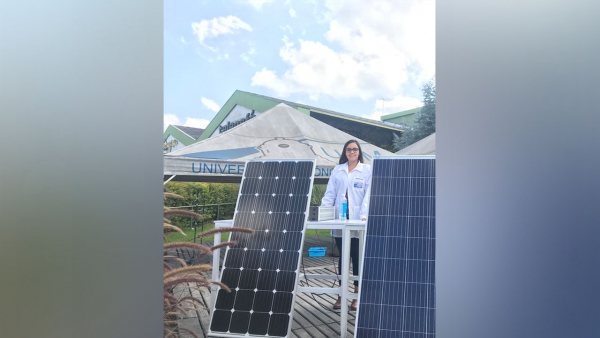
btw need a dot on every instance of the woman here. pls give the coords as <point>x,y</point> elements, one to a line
<point>351,178</point>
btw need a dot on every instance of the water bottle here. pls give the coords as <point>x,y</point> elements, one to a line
<point>344,209</point>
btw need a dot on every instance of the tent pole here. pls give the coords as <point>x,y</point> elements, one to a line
<point>170,178</point>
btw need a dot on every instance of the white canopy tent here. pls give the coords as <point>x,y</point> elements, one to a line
<point>279,133</point>
<point>425,146</point>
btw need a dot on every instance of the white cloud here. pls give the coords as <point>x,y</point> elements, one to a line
<point>376,115</point>
<point>207,29</point>
<point>169,119</point>
<point>246,56</point>
<point>292,12</point>
<point>210,104</point>
<point>219,57</point>
<point>212,49</point>
<point>395,105</point>
<point>287,28</point>
<point>374,57</point>
<point>317,69</point>
<point>247,59</point>
<point>259,3</point>
<point>196,123</point>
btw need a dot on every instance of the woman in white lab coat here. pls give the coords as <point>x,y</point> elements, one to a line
<point>351,178</point>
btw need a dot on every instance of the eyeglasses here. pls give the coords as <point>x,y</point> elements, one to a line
<point>351,150</point>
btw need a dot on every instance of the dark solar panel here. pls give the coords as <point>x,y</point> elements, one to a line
<point>262,269</point>
<point>397,288</point>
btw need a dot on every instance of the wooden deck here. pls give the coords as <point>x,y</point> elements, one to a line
<point>313,313</point>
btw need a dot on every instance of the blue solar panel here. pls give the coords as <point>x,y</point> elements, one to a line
<point>397,288</point>
<point>262,269</point>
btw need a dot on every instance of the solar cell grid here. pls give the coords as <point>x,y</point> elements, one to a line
<point>397,294</point>
<point>262,269</point>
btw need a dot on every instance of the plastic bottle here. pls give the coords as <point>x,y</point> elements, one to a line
<point>344,209</point>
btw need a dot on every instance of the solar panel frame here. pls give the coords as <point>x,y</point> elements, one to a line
<point>303,232</point>
<point>386,189</point>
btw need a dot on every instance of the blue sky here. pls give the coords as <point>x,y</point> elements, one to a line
<point>339,55</point>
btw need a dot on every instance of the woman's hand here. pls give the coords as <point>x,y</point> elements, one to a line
<point>364,219</point>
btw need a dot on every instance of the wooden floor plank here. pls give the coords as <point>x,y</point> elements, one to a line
<point>321,331</point>
<point>325,319</point>
<point>306,304</point>
<point>313,313</point>
<point>204,311</point>
<point>329,299</point>
<point>301,333</point>
<point>299,319</point>
<point>190,324</point>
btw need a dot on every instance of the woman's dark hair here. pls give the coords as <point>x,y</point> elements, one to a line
<point>344,158</point>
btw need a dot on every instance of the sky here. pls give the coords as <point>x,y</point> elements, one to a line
<point>364,58</point>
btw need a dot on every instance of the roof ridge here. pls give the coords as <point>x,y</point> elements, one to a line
<point>360,118</point>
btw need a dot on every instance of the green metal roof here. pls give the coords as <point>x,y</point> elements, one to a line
<point>400,114</point>
<point>179,135</point>
<point>261,103</point>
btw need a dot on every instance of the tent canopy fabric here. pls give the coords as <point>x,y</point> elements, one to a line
<point>425,146</point>
<point>279,133</point>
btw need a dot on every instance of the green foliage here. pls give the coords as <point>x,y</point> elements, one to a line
<point>203,194</point>
<point>388,146</point>
<point>215,193</point>
<point>396,142</point>
<point>424,120</point>
<point>317,193</point>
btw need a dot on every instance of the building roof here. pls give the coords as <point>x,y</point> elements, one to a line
<point>331,112</point>
<point>425,146</point>
<point>402,113</point>
<point>190,131</point>
<point>295,135</point>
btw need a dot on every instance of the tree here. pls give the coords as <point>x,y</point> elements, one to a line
<point>424,120</point>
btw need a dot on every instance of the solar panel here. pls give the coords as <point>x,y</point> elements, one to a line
<point>262,269</point>
<point>397,288</point>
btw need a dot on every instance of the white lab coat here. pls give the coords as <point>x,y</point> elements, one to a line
<point>357,182</point>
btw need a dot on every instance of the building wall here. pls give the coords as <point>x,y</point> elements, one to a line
<point>179,145</point>
<point>248,100</point>
<point>174,133</point>
<point>239,114</point>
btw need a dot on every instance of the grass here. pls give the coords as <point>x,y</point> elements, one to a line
<point>320,232</point>
<point>177,237</point>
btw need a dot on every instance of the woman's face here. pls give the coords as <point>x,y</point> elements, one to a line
<point>352,152</point>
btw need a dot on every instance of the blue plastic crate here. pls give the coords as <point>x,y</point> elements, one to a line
<point>316,252</point>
